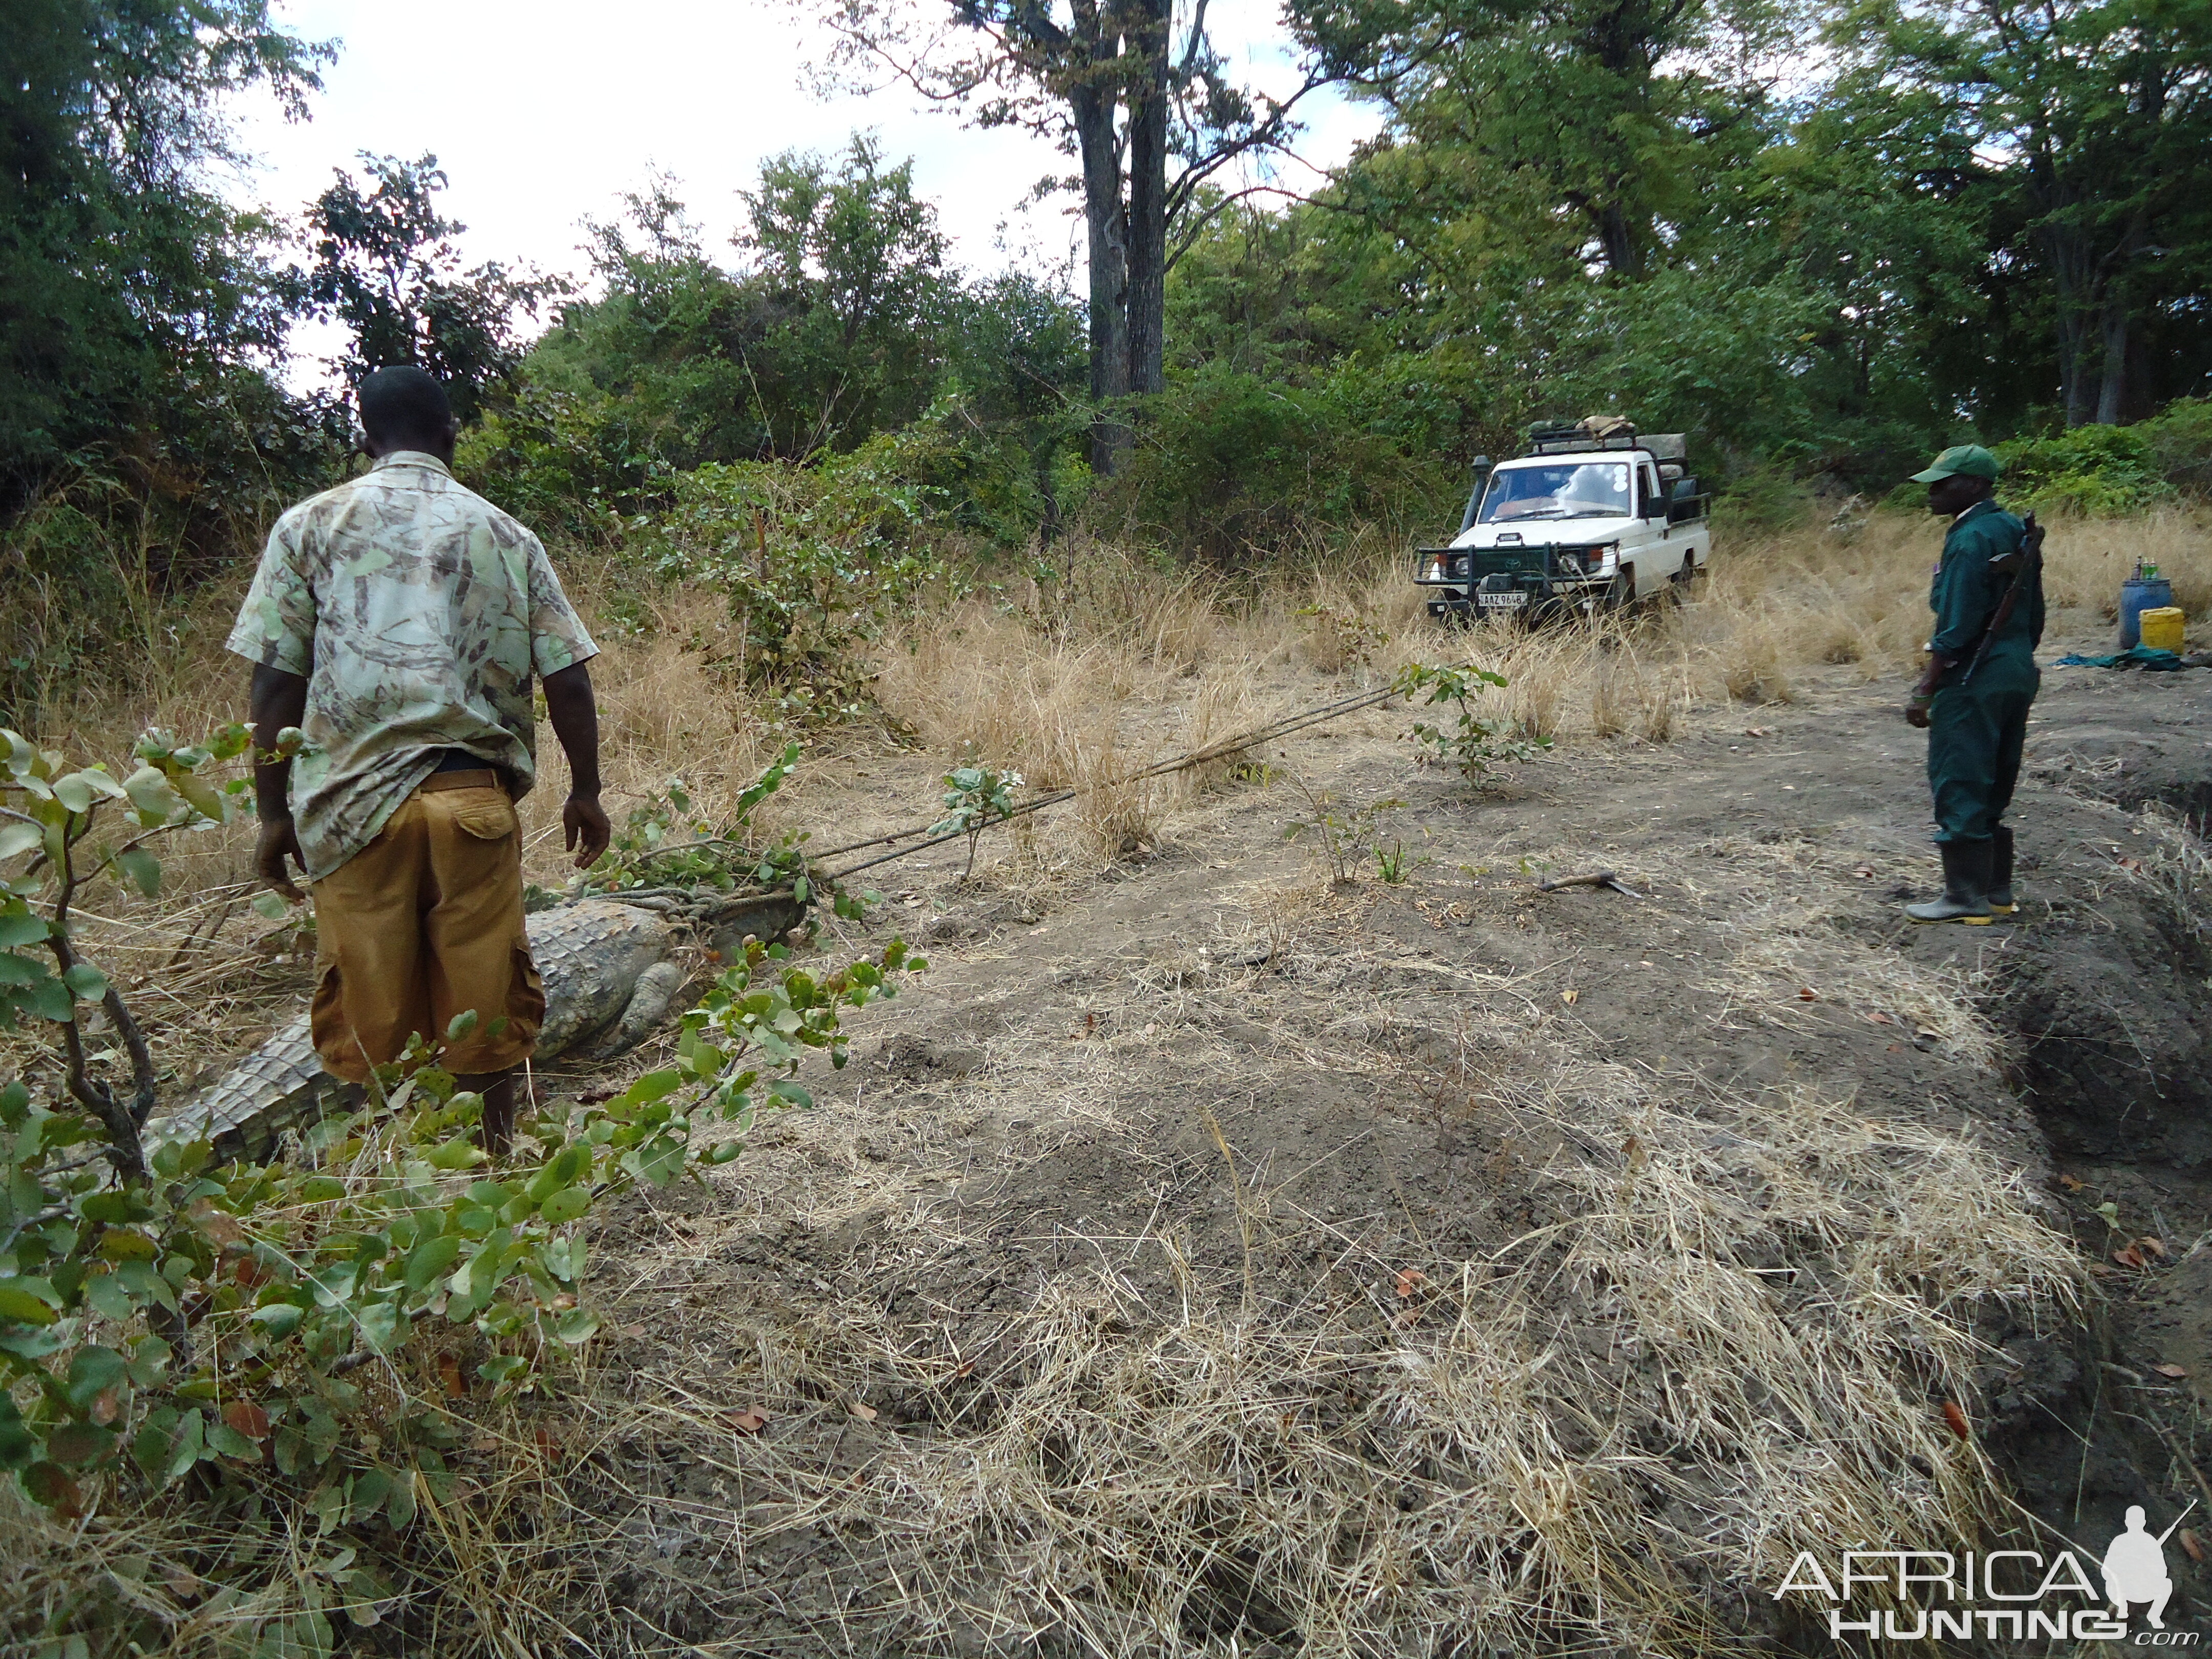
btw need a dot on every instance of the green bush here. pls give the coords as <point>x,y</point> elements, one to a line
<point>1228,464</point>
<point>290,1350</point>
<point>572,464</point>
<point>1766,497</point>
<point>2180,440</point>
<point>2097,471</point>
<point>817,559</point>
<point>1468,745</point>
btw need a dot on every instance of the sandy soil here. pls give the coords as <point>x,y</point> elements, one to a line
<point>1220,1078</point>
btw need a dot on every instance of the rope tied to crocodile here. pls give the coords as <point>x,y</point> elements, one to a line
<point>697,909</point>
<point>1213,751</point>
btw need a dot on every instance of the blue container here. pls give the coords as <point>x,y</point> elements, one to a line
<point>2140,593</point>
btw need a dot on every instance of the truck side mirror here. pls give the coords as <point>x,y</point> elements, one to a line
<point>1480,467</point>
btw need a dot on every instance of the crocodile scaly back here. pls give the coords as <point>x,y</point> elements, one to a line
<point>590,955</point>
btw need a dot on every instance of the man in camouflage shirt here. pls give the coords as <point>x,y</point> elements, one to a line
<point>398,622</point>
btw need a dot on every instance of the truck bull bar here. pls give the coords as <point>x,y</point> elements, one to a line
<point>1535,575</point>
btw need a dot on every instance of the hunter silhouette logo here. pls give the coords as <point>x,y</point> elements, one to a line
<point>2135,1567</point>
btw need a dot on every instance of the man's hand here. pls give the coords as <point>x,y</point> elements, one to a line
<point>575,716</point>
<point>584,822</point>
<point>280,840</point>
<point>1917,706</point>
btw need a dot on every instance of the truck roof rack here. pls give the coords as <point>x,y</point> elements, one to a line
<point>1601,432</point>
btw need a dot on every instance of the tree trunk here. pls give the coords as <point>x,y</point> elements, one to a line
<point>2072,278</point>
<point>1148,198</point>
<point>2111,395</point>
<point>1092,109</point>
<point>2073,390</point>
<point>1624,255</point>
<point>1048,522</point>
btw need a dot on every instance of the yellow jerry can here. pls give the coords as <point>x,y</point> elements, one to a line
<point>2161,629</point>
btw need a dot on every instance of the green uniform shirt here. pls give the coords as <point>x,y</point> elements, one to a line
<point>417,613</point>
<point>1964,594</point>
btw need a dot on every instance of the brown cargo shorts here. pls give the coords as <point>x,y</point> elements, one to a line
<point>422,924</point>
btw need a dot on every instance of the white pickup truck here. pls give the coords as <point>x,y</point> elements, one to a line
<point>1592,518</point>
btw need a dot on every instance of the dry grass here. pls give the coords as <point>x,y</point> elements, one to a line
<point>2090,558</point>
<point>1117,668</point>
<point>1145,1471</point>
<point>1802,948</point>
<point>1594,1437</point>
<point>1134,660</point>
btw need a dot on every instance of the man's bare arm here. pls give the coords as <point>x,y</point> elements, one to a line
<point>274,701</point>
<point>575,717</point>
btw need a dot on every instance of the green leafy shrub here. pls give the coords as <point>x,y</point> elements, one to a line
<point>1347,835</point>
<point>574,464</point>
<point>1228,463</point>
<point>1468,745</point>
<point>2098,471</point>
<point>308,1334</point>
<point>2180,440</point>
<point>975,798</point>
<point>1765,497</point>
<point>817,562</point>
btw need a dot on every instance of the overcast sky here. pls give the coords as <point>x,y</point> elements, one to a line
<point>544,113</point>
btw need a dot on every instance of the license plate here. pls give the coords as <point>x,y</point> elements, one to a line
<point>1512,599</point>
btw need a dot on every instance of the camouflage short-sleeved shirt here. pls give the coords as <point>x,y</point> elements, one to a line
<point>417,612</point>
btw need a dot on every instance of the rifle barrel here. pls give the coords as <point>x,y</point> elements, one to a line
<point>2178,1520</point>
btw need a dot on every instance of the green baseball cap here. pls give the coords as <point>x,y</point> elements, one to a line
<point>1961,460</point>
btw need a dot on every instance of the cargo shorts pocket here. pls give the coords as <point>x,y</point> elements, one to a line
<point>486,814</point>
<point>526,995</point>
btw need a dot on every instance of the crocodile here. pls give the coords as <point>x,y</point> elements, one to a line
<point>611,973</point>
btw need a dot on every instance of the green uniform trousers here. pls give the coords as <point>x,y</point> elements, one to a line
<point>1975,735</point>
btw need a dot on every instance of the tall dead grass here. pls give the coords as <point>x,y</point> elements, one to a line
<point>1123,663</point>
<point>1502,1470</point>
<point>1127,656</point>
<point>1595,1439</point>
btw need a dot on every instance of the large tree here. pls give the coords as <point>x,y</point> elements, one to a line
<point>2100,113</point>
<point>129,288</point>
<point>1137,96</point>
<point>387,267</point>
<point>854,265</point>
<point>1608,115</point>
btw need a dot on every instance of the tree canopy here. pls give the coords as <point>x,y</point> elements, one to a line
<point>1821,236</point>
<point>131,294</point>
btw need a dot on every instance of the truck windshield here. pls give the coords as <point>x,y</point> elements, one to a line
<point>1574,490</point>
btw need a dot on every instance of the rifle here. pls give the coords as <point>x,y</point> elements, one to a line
<point>2178,1520</point>
<point>2029,569</point>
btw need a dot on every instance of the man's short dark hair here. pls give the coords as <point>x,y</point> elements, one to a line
<point>404,405</point>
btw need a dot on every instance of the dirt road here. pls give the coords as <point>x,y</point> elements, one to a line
<point>1149,1164</point>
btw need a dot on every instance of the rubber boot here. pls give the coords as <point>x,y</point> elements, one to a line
<point>2000,894</point>
<point>1966,886</point>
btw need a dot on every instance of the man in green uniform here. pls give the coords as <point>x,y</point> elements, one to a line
<point>1975,713</point>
